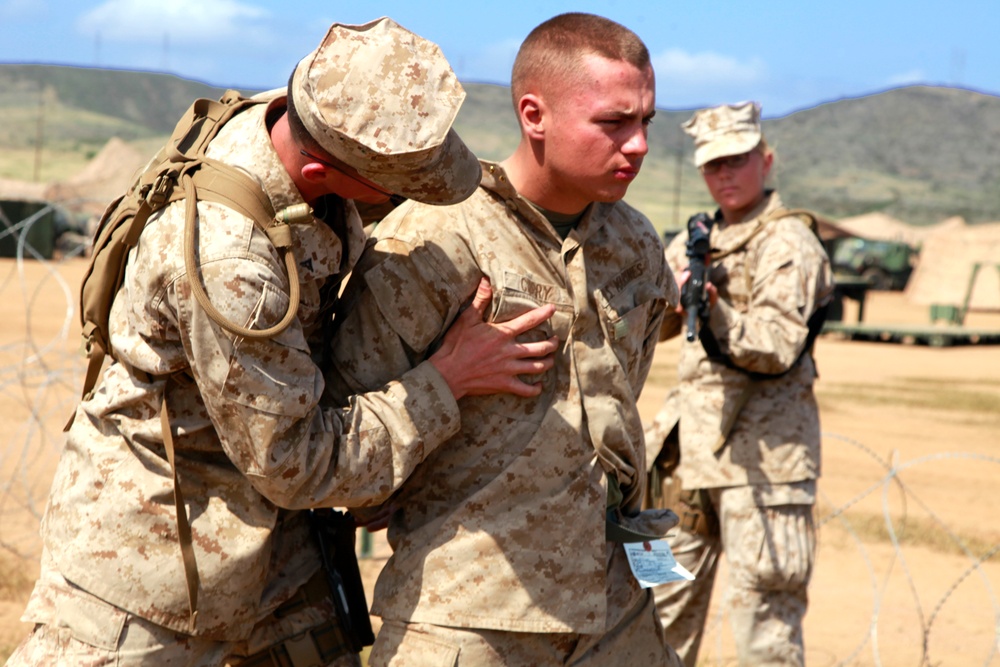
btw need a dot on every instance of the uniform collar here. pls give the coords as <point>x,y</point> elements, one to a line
<point>770,202</point>
<point>495,180</point>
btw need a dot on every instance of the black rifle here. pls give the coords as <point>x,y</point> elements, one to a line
<point>334,532</point>
<point>694,296</point>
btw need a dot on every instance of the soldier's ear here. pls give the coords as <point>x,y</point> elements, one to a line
<point>533,114</point>
<point>314,172</point>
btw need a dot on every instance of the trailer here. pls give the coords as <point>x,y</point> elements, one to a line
<point>946,327</point>
<point>932,335</point>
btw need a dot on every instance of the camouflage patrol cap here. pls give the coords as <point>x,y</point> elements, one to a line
<point>730,129</point>
<point>383,100</point>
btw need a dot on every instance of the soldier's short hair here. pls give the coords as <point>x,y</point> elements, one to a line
<point>554,50</point>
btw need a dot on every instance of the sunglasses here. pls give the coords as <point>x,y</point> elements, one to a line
<point>732,161</point>
<point>396,199</point>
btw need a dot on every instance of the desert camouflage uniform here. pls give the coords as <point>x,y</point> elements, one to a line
<point>501,531</point>
<point>762,481</point>
<point>252,437</point>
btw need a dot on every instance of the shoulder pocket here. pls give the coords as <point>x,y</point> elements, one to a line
<point>275,375</point>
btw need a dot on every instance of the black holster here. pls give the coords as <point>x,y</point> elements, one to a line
<point>665,490</point>
<point>334,532</point>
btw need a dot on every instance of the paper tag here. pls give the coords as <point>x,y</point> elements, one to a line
<point>653,563</point>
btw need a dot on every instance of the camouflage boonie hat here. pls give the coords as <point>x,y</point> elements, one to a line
<point>382,100</point>
<point>730,129</point>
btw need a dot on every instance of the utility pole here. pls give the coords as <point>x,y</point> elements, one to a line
<point>39,131</point>
<point>677,181</point>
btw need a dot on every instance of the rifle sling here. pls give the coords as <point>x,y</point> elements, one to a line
<point>714,351</point>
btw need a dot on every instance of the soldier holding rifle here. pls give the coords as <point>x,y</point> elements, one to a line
<point>743,475</point>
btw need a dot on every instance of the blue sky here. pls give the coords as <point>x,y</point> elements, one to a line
<point>788,55</point>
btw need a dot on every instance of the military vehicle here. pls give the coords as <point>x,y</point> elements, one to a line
<point>947,326</point>
<point>885,265</point>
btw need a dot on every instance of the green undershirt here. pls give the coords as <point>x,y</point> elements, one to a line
<point>563,223</point>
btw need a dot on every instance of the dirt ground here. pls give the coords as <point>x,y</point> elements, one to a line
<point>907,570</point>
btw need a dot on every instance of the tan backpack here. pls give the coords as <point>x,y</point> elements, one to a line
<point>180,171</point>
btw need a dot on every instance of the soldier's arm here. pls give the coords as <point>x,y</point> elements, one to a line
<point>266,397</point>
<point>675,263</point>
<point>770,336</point>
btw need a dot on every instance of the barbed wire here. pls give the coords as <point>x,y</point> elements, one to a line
<point>40,380</point>
<point>892,477</point>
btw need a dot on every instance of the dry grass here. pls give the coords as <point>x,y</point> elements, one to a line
<point>910,531</point>
<point>15,586</point>
<point>978,397</point>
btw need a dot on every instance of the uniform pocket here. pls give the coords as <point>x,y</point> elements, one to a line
<point>275,375</point>
<point>627,316</point>
<point>520,295</point>
<point>89,620</point>
<point>785,547</point>
<point>399,646</point>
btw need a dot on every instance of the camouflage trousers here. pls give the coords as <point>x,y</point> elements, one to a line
<point>637,640</point>
<point>769,544</point>
<point>81,630</point>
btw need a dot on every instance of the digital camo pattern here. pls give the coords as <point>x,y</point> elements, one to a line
<point>252,435</point>
<point>89,632</point>
<point>762,480</point>
<point>728,129</point>
<point>638,640</point>
<point>383,100</point>
<point>767,292</point>
<point>770,550</point>
<point>502,527</point>
<point>683,606</point>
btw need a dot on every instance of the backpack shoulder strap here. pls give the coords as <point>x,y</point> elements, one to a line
<point>764,221</point>
<point>238,191</point>
<point>181,160</point>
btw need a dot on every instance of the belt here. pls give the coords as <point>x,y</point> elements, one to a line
<point>315,647</point>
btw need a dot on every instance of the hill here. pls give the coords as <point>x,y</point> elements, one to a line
<point>920,154</point>
<point>133,104</point>
<point>54,119</point>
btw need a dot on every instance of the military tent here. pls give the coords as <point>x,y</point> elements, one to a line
<point>948,257</point>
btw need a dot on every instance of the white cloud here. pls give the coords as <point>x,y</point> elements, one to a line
<point>707,69</point>
<point>686,80</point>
<point>185,21</point>
<point>907,78</point>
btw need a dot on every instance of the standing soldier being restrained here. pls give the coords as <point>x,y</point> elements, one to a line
<point>510,542</point>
